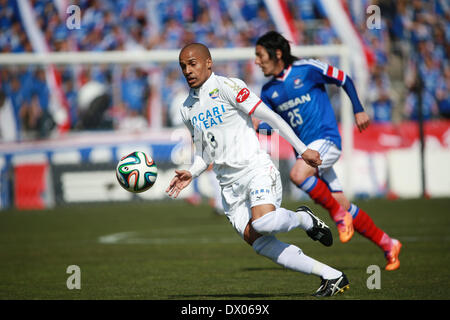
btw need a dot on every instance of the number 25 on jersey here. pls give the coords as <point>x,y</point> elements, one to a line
<point>295,118</point>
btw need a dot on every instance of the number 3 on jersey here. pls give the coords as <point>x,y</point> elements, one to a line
<point>295,118</point>
<point>212,140</point>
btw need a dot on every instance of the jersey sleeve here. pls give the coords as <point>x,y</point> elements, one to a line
<point>239,95</point>
<point>325,73</point>
<point>264,127</point>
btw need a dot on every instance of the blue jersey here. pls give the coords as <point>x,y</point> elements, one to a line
<point>299,96</point>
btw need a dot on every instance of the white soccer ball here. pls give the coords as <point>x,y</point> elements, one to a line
<point>136,172</point>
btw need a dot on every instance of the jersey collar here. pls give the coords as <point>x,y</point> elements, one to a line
<point>196,92</point>
<point>283,74</point>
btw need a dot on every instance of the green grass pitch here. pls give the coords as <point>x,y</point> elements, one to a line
<point>172,250</point>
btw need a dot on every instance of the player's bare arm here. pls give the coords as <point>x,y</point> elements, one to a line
<point>362,121</point>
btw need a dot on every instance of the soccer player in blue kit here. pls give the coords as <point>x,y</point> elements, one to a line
<point>297,93</point>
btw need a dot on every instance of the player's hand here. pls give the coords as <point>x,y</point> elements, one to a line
<point>255,123</point>
<point>362,120</point>
<point>312,157</point>
<point>179,182</point>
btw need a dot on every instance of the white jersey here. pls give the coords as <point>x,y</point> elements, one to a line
<point>218,115</point>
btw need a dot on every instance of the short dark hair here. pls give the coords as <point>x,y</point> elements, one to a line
<point>199,46</point>
<point>273,41</point>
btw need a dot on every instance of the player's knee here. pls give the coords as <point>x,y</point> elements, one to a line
<point>297,177</point>
<point>250,235</point>
<point>263,225</point>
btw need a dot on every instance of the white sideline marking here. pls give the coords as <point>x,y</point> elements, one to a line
<point>115,237</point>
<point>134,237</point>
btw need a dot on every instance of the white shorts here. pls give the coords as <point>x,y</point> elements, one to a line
<point>329,154</point>
<point>260,186</point>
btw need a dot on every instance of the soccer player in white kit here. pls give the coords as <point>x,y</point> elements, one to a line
<point>218,113</point>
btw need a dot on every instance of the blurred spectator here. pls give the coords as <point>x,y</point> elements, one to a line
<point>429,107</point>
<point>19,99</point>
<point>306,9</point>
<point>135,90</point>
<point>93,102</point>
<point>203,26</point>
<point>131,121</point>
<point>36,119</point>
<point>441,44</point>
<point>260,24</point>
<point>39,87</point>
<point>72,96</point>
<point>443,94</point>
<point>8,130</point>
<point>381,96</point>
<point>379,51</point>
<point>402,21</point>
<point>135,95</point>
<point>173,32</point>
<point>27,92</point>
<point>325,34</point>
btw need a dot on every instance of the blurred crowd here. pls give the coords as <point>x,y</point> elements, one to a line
<point>409,55</point>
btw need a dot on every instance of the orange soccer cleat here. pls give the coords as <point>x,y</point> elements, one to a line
<point>393,263</point>
<point>345,227</point>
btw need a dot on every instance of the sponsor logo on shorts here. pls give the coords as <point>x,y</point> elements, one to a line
<point>260,191</point>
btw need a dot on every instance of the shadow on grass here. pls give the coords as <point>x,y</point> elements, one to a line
<point>242,296</point>
<point>264,269</point>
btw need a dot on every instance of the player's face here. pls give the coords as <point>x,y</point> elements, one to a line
<point>262,60</point>
<point>195,67</point>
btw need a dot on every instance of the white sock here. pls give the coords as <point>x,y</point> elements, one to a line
<point>292,257</point>
<point>282,220</point>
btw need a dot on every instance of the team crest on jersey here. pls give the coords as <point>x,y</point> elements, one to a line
<point>214,94</point>
<point>298,83</point>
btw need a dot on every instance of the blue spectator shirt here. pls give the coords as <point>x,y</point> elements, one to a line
<point>133,91</point>
<point>382,111</point>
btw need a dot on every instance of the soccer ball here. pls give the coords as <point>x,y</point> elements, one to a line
<point>136,172</point>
